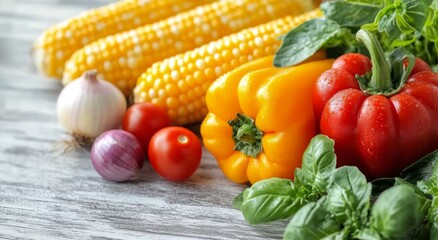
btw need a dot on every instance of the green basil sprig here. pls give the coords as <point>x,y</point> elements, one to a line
<point>422,176</point>
<point>395,212</point>
<point>324,202</point>
<point>348,197</point>
<point>430,186</point>
<point>270,200</point>
<point>345,212</point>
<point>311,222</point>
<point>401,18</point>
<point>275,198</point>
<point>412,24</point>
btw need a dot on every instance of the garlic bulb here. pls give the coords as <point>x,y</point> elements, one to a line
<point>89,106</point>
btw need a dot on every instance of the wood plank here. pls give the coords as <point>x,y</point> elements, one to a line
<point>48,194</point>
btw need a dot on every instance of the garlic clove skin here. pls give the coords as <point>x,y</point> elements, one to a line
<point>90,106</point>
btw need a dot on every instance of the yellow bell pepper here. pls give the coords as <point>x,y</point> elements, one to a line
<point>261,118</point>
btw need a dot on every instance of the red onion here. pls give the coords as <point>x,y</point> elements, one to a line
<point>117,156</point>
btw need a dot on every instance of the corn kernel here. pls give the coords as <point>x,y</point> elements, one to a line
<point>201,66</point>
<point>201,25</point>
<point>73,34</point>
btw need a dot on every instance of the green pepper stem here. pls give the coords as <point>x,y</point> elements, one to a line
<point>247,137</point>
<point>381,71</point>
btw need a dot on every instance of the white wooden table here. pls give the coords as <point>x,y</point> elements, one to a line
<point>45,194</point>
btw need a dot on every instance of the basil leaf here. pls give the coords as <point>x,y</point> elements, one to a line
<point>305,189</point>
<point>433,219</point>
<point>301,177</point>
<point>421,169</point>
<point>269,200</point>
<point>341,235</point>
<point>388,23</point>
<point>430,29</point>
<point>238,200</point>
<point>393,215</point>
<point>433,4</point>
<point>348,198</point>
<point>416,13</point>
<point>319,162</point>
<point>304,41</point>
<point>311,222</point>
<point>424,201</point>
<point>342,10</point>
<point>367,234</point>
<point>434,174</point>
<point>421,231</point>
<point>403,17</point>
<point>430,186</point>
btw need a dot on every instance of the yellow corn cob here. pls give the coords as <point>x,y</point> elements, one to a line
<point>123,57</point>
<point>56,45</point>
<point>179,83</point>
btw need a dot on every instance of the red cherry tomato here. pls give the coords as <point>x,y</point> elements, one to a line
<point>175,153</point>
<point>143,120</point>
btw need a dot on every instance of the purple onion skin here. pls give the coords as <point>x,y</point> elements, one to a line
<point>117,156</point>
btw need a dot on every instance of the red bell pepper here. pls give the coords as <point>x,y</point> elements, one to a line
<point>382,118</point>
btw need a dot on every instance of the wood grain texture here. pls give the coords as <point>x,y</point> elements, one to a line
<point>47,194</point>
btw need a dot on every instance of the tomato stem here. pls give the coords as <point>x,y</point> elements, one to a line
<point>247,137</point>
<point>380,81</point>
